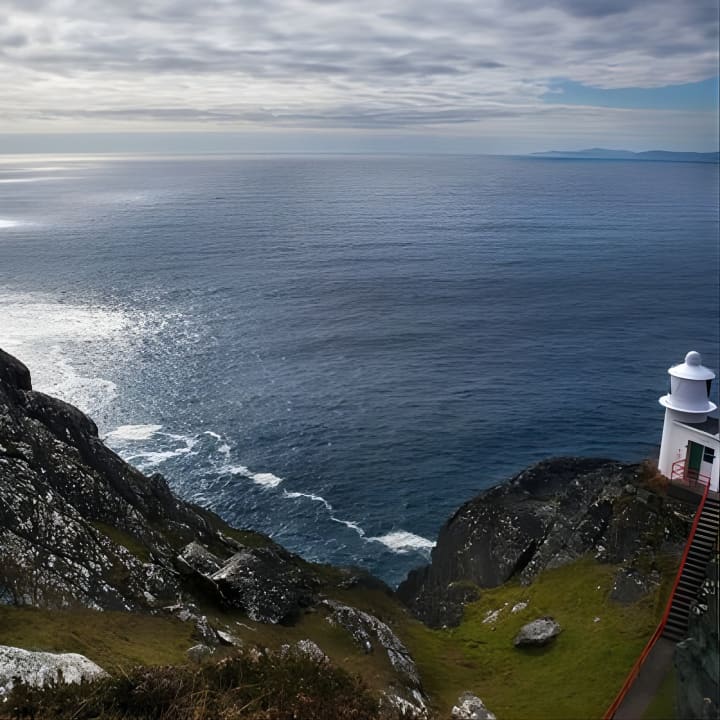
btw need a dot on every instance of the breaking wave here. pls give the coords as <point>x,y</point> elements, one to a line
<point>133,432</point>
<point>401,541</point>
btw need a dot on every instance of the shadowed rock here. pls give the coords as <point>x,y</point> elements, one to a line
<point>546,516</point>
<point>265,583</point>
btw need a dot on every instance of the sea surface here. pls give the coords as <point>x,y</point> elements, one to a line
<point>340,350</point>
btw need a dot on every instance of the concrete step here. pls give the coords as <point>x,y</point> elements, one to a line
<point>708,527</point>
<point>676,624</point>
<point>709,538</point>
<point>696,561</point>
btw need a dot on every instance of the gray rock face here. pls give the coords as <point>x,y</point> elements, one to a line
<point>548,515</point>
<point>366,629</point>
<point>631,585</point>
<point>266,583</point>
<point>471,707</point>
<point>198,558</point>
<point>537,633</point>
<point>697,660</point>
<point>80,525</point>
<point>60,487</point>
<point>39,668</point>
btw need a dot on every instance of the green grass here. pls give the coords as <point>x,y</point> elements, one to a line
<point>127,541</point>
<point>118,639</point>
<point>111,639</point>
<point>577,676</point>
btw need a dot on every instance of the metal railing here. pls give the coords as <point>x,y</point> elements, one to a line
<point>684,475</point>
<point>635,670</point>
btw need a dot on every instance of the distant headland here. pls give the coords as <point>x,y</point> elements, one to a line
<point>653,155</point>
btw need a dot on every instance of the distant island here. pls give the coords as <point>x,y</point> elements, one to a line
<point>655,155</point>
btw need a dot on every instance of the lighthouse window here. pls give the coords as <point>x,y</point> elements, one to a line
<point>709,455</point>
<point>709,383</point>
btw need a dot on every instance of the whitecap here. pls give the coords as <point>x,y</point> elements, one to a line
<point>133,432</point>
<point>309,496</point>
<point>236,470</point>
<point>349,524</point>
<point>7,223</point>
<point>402,542</point>
<point>266,479</point>
<point>152,458</point>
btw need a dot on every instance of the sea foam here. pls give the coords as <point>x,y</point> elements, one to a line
<point>133,432</point>
<point>266,479</point>
<point>66,344</point>
<point>401,541</point>
<point>309,496</point>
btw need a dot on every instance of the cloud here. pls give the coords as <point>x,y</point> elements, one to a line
<point>91,64</point>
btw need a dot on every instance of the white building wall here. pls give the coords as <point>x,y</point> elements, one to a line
<point>674,447</point>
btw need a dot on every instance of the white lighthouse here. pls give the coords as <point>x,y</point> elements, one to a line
<point>690,449</point>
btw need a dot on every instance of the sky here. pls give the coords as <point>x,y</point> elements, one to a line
<point>364,76</point>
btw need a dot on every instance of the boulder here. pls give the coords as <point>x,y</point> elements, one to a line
<point>228,638</point>
<point>306,648</point>
<point>537,633</point>
<point>197,557</point>
<point>266,583</point>
<point>198,653</point>
<point>408,706</point>
<point>39,668</point>
<point>471,707</point>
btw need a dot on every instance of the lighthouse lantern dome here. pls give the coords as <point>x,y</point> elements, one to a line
<point>692,368</point>
<point>690,390</point>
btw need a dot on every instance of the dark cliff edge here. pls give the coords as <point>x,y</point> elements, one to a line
<point>547,516</point>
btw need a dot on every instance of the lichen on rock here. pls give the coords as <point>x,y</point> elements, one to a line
<point>548,515</point>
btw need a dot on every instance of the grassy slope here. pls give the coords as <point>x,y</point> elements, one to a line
<point>576,677</point>
<point>111,639</point>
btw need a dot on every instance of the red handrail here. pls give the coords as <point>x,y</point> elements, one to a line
<point>635,670</point>
<point>680,472</point>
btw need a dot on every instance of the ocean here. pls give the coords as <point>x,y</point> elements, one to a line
<point>338,351</point>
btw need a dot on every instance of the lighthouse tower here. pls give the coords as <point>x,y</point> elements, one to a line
<point>690,449</point>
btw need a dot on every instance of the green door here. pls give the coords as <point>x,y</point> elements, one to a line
<point>694,459</point>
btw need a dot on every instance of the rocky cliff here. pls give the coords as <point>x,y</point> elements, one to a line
<point>79,527</point>
<point>697,658</point>
<point>547,516</point>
